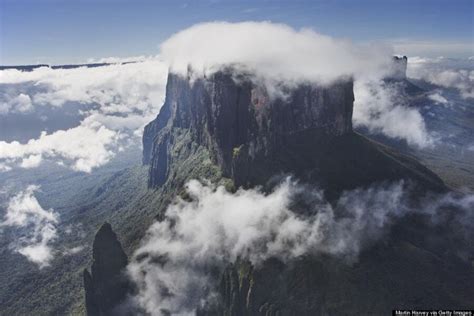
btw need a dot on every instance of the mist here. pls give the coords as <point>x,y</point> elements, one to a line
<point>213,227</point>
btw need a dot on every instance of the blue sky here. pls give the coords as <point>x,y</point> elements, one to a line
<point>67,31</point>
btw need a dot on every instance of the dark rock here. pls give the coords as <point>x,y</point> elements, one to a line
<point>252,137</point>
<point>106,287</point>
<point>400,67</point>
<point>235,119</point>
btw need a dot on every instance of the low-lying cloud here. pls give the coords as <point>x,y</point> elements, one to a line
<point>20,103</point>
<point>445,72</point>
<point>82,148</point>
<point>213,228</point>
<point>382,108</point>
<point>39,226</point>
<point>116,101</point>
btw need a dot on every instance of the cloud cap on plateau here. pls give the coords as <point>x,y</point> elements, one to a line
<point>274,51</point>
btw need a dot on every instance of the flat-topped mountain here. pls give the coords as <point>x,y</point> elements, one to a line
<point>230,129</point>
<point>252,135</point>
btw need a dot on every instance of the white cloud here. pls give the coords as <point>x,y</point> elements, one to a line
<point>24,211</point>
<point>217,227</point>
<point>174,267</point>
<point>31,161</point>
<point>274,51</point>
<point>438,98</point>
<point>121,88</point>
<point>380,107</point>
<point>21,103</point>
<point>118,101</point>
<point>73,250</point>
<point>118,60</point>
<point>84,147</point>
<point>444,72</point>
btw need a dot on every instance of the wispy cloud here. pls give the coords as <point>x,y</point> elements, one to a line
<point>381,108</point>
<point>445,72</point>
<point>212,228</point>
<point>39,225</point>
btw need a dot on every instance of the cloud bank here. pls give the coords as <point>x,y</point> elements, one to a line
<point>217,227</point>
<point>116,102</point>
<point>82,148</point>
<point>444,72</point>
<point>274,51</point>
<point>39,225</point>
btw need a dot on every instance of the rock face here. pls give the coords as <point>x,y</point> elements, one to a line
<point>251,136</point>
<point>106,287</point>
<point>400,67</point>
<point>239,122</point>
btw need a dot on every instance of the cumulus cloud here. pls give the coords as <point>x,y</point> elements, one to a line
<point>215,227</point>
<point>118,100</point>
<point>121,88</point>
<point>24,211</point>
<point>444,72</point>
<point>382,108</point>
<point>82,148</point>
<point>273,51</point>
<point>20,103</point>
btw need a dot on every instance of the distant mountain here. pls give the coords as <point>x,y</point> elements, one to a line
<point>70,66</point>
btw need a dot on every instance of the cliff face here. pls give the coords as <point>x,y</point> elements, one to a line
<point>252,137</point>
<point>239,123</point>
<point>106,287</point>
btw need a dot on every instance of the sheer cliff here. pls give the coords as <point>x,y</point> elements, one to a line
<point>252,136</point>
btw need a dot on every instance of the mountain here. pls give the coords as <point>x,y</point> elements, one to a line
<point>229,129</point>
<point>106,286</point>
<point>251,136</point>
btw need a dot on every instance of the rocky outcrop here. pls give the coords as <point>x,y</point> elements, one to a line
<point>399,67</point>
<point>106,287</point>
